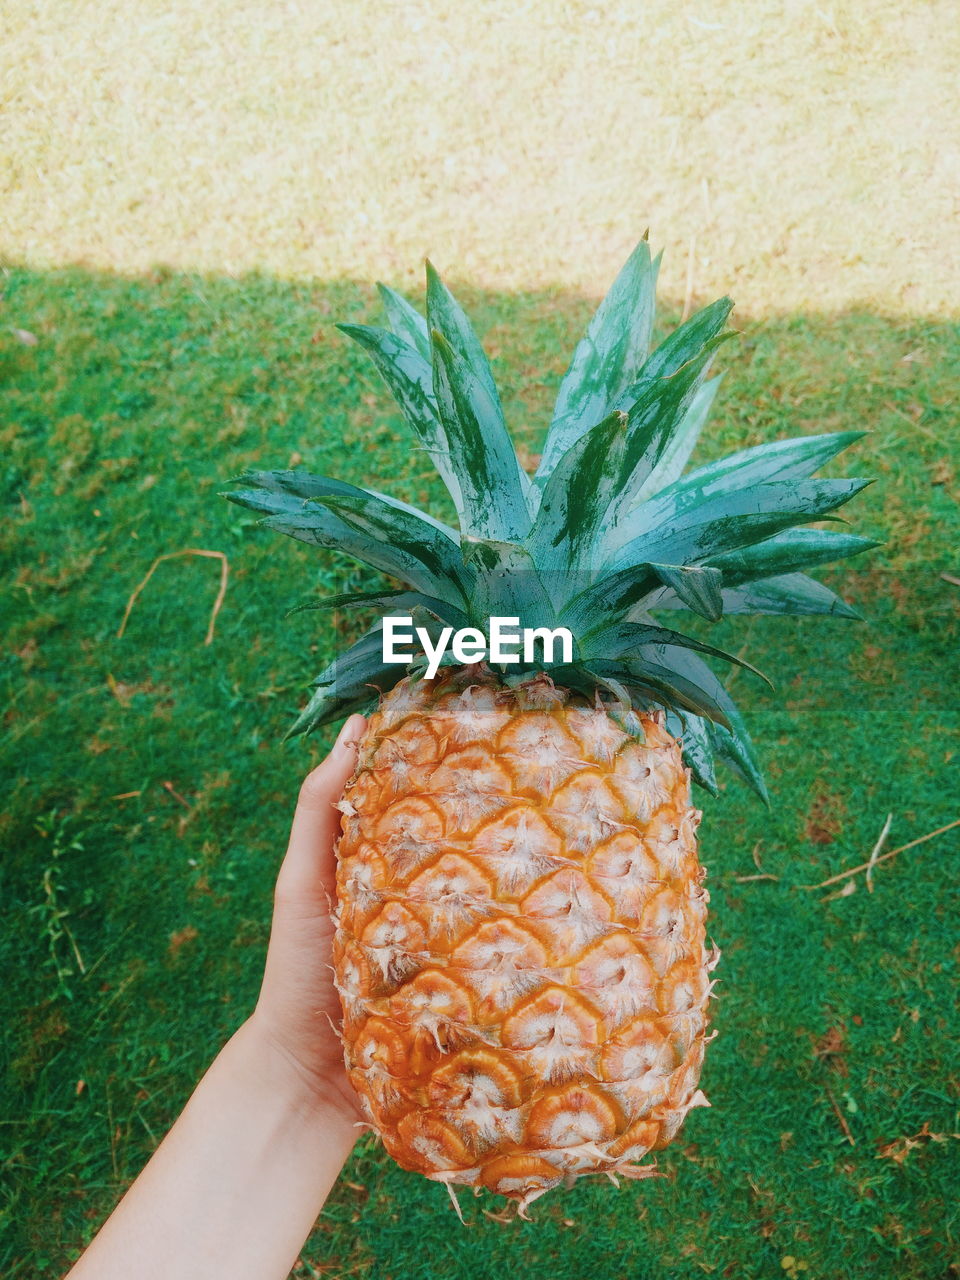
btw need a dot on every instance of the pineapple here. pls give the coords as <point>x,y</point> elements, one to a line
<point>520,947</point>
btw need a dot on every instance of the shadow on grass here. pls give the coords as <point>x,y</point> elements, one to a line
<point>147,797</point>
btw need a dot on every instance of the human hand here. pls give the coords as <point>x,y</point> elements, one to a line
<point>298,1006</point>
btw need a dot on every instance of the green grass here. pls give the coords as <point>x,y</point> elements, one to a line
<point>147,795</point>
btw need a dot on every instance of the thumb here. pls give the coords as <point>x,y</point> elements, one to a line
<point>308,867</point>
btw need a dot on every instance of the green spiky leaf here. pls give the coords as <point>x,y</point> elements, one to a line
<point>694,736</point>
<point>405,321</point>
<point>788,552</point>
<point>688,339</point>
<point>697,587</point>
<point>728,733</point>
<point>658,414</point>
<point>578,494</point>
<point>597,476</point>
<point>446,316</point>
<point>681,443</point>
<point>390,603</point>
<point>732,745</point>
<point>791,593</point>
<point>320,527</point>
<point>352,681</point>
<point>492,483</point>
<point>409,375</point>
<point>780,460</point>
<point>624,640</point>
<point>607,359</point>
<point>508,584</point>
<point>700,531</point>
<point>387,535</point>
<point>304,485</point>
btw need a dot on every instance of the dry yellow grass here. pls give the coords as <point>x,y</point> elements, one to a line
<point>799,155</point>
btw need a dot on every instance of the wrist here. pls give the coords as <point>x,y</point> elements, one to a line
<point>278,1074</point>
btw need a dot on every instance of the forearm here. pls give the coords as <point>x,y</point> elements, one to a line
<point>235,1187</point>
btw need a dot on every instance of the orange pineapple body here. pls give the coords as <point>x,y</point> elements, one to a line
<point>520,945</point>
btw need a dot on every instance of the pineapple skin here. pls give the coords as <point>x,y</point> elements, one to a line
<point>520,944</point>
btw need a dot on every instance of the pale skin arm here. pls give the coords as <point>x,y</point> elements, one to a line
<point>235,1187</point>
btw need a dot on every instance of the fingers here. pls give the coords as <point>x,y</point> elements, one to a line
<point>308,867</point>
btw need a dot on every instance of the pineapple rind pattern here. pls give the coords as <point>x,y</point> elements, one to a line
<point>520,946</point>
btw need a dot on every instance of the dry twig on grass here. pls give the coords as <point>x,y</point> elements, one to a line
<point>840,1116</point>
<point>873,861</point>
<point>169,788</point>
<point>173,555</point>
<point>761,874</point>
<point>875,852</point>
<point>845,892</point>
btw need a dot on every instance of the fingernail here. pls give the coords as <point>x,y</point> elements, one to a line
<point>349,736</point>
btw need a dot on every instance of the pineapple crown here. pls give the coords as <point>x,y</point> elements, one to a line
<point>608,530</point>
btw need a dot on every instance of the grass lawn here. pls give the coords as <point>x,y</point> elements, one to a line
<point>146,796</point>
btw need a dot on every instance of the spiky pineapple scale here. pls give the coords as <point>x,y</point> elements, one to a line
<point>520,938</point>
